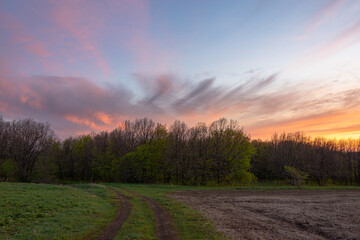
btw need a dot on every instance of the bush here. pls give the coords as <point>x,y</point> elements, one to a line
<point>297,177</point>
<point>7,170</point>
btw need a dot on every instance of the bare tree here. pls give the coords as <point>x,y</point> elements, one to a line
<point>217,131</point>
<point>145,129</point>
<point>28,140</point>
<point>4,139</point>
<point>177,141</point>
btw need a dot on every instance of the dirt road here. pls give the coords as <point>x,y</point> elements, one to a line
<point>164,226</point>
<point>122,214</point>
<point>163,222</point>
<point>332,214</point>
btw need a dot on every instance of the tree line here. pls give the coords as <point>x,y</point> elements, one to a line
<point>139,151</point>
<point>326,161</point>
<point>142,151</point>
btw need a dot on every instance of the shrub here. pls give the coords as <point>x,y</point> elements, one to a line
<point>297,177</point>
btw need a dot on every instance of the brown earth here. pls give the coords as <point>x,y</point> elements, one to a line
<point>122,214</point>
<point>323,214</point>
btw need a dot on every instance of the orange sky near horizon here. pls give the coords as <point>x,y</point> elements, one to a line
<point>339,125</point>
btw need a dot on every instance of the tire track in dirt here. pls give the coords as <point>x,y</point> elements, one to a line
<point>121,216</point>
<point>163,221</point>
<point>164,226</point>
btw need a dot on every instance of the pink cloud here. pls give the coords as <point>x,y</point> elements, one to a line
<point>84,121</point>
<point>8,21</point>
<point>22,40</point>
<point>74,105</point>
<point>322,17</point>
<point>38,49</point>
<point>16,28</point>
<point>77,31</point>
<point>346,39</point>
<point>84,105</point>
<point>82,21</point>
<point>21,37</point>
<point>31,101</point>
<point>104,118</point>
<point>134,29</point>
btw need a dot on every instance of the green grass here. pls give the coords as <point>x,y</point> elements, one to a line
<point>189,223</point>
<point>141,221</point>
<point>39,211</point>
<point>81,211</point>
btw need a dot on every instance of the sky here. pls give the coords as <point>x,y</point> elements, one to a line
<point>272,65</point>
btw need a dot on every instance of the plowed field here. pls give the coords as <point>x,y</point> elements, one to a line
<point>323,214</point>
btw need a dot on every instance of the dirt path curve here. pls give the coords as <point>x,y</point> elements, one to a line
<point>163,222</point>
<point>164,226</point>
<point>122,214</point>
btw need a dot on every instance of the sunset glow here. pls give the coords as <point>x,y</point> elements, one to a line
<point>274,66</point>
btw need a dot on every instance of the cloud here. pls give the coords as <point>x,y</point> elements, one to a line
<point>8,21</point>
<point>156,87</point>
<point>322,17</point>
<point>338,36</point>
<point>330,115</point>
<point>81,21</point>
<point>83,33</point>
<point>347,38</point>
<point>64,99</point>
<point>37,49</point>
<point>75,101</point>
<point>77,105</point>
<point>186,97</point>
<point>351,130</point>
<point>202,91</point>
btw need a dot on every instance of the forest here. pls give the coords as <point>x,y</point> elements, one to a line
<point>142,151</point>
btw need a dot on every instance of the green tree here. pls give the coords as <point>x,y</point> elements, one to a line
<point>297,177</point>
<point>7,170</point>
<point>83,156</point>
<point>231,152</point>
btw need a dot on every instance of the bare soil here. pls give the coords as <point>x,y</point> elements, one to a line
<point>122,214</point>
<point>320,214</point>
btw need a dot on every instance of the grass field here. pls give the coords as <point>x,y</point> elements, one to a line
<point>39,211</point>
<point>141,222</point>
<point>82,211</point>
<point>190,224</point>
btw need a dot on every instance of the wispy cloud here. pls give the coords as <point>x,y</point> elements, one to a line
<point>75,104</point>
<point>80,102</point>
<point>345,39</point>
<point>134,30</point>
<point>328,39</point>
<point>67,62</point>
<point>37,49</point>
<point>321,116</point>
<point>325,15</point>
<point>74,32</point>
<point>81,20</point>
